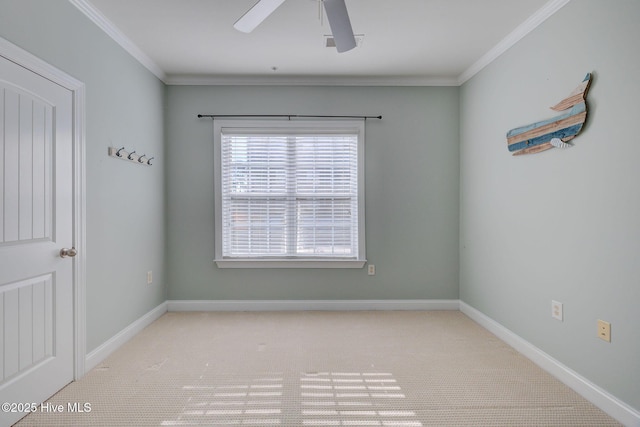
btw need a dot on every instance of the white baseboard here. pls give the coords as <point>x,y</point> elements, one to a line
<point>94,358</point>
<point>317,305</point>
<point>594,394</point>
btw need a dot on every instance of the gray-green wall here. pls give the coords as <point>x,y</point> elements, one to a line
<point>412,180</point>
<point>560,225</point>
<point>125,202</point>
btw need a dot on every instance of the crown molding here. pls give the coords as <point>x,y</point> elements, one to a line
<point>183,80</point>
<point>505,44</point>
<point>118,36</point>
<point>514,37</point>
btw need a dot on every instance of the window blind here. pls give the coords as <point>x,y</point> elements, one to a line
<point>289,194</point>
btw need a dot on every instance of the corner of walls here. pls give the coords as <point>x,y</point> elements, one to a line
<point>100,353</point>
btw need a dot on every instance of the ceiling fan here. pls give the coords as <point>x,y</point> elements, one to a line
<point>336,11</point>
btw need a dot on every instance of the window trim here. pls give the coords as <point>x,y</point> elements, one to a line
<point>288,126</point>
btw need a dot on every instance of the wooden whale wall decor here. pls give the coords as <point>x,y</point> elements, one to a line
<point>554,132</point>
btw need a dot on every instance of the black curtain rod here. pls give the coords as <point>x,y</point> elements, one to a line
<point>289,116</point>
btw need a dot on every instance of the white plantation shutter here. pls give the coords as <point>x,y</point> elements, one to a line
<point>290,193</point>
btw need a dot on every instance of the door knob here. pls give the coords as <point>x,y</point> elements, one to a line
<point>64,252</point>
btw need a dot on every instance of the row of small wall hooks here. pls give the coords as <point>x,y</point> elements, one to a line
<point>132,156</point>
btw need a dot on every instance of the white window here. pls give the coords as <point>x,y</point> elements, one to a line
<point>289,194</point>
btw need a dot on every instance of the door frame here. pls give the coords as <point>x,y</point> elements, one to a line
<point>25,59</point>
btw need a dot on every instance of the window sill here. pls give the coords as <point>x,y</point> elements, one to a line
<point>299,263</point>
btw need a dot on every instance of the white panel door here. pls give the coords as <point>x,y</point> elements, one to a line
<point>36,196</point>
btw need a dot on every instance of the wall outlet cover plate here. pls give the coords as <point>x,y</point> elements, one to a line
<point>556,310</point>
<point>604,330</point>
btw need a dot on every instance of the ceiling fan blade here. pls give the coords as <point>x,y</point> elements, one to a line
<point>254,16</point>
<point>340,24</point>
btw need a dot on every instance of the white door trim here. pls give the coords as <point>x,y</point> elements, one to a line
<point>25,59</point>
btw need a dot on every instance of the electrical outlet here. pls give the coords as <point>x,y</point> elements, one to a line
<point>604,330</point>
<point>556,310</point>
<point>371,270</point>
<point>149,277</point>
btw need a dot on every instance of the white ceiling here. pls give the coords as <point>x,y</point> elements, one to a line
<point>405,41</point>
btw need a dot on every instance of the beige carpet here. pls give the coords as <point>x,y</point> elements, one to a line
<point>319,369</point>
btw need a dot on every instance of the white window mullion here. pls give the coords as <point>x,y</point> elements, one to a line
<point>333,205</point>
<point>291,197</point>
